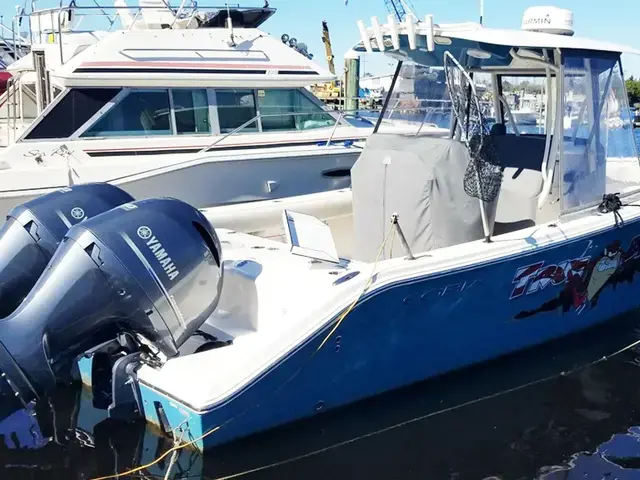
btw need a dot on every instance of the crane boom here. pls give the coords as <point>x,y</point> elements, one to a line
<point>327,47</point>
<point>396,8</point>
<point>328,92</point>
<point>399,8</point>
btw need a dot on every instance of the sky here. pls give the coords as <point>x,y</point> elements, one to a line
<point>618,22</point>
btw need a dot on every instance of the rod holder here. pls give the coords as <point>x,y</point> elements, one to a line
<point>377,32</point>
<point>393,31</point>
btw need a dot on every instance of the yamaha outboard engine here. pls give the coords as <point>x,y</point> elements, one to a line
<point>151,268</point>
<point>34,230</point>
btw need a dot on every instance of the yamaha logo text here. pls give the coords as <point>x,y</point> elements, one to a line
<point>160,253</point>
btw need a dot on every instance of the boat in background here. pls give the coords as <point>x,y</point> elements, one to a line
<point>13,44</point>
<point>226,118</point>
<point>635,115</point>
<point>12,47</point>
<point>4,79</point>
<point>56,41</point>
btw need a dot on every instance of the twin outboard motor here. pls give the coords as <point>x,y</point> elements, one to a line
<point>34,230</point>
<point>151,268</point>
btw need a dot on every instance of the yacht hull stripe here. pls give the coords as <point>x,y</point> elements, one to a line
<point>222,65</point>
<point>192,70</point>
<point>174,150</point>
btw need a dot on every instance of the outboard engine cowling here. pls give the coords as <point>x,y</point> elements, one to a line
<point>34,230</point>
<point>151,267</point>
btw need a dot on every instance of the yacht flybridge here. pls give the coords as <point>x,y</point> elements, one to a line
<point>193,106</point>
<point>446,252</point>
<point>58,34</point>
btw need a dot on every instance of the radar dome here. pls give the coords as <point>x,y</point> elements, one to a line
<point>558,21</point>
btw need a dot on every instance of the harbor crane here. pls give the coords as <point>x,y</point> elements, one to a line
<point>399,8</point>
<point>329,92</point>
<point>327,47</point>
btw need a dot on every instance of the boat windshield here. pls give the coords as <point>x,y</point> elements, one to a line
<point>420,97</point>
<point>599,152</point>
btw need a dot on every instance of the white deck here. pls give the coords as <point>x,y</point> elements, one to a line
<point>290,300</point>
<point>261,317</point>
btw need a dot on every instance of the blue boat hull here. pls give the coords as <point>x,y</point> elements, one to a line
<point>421,328</point>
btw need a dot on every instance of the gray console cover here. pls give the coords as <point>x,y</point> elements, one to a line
<point>420,178</point>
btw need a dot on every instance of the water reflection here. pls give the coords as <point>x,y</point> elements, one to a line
<point>513,435</point>
<point>562,427</point>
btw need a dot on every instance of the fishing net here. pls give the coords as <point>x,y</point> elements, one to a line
<point>483,176</point>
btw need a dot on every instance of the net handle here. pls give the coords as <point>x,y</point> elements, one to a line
<point>449,58</point>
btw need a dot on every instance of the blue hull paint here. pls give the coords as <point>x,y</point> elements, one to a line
<point>420,329</point>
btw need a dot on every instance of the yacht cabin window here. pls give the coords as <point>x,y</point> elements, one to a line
<point>72,111</point>
<point>141,113</point>
<point>102,113</point>
<point>304,114</point>
<point>235,108</point>
<point>191,110</point>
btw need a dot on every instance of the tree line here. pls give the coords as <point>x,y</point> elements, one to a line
<point>633,89</point>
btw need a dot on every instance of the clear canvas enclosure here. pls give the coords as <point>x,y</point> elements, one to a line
<point>418,97</point>
<point>598,150</point>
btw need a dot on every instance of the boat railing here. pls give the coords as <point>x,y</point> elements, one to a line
<point>338,120</point>
<point>15,44</point>
<point>340,117</point>
<point>12,100</point>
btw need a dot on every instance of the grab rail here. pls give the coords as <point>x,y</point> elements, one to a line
<point>10,86</point>
<point>429,110</point>
<point>507,109</point>
<point>339,120</point>
<point>259,116</point>
<point>12,100</point>
<point>231,133</point>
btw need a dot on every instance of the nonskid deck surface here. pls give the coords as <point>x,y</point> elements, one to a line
<point>267,308</point>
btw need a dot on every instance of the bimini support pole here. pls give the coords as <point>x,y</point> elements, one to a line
<point>555,152</point>
<point>388,98</point>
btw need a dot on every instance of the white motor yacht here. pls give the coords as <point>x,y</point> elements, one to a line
<point>207,108</point>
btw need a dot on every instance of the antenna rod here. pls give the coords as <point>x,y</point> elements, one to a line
<point>232,41</point>
<point>481,11</point>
